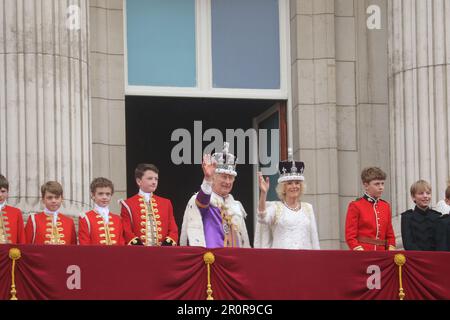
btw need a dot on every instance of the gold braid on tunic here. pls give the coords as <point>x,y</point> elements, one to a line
<point>4,235</point>
<point>53,232</point>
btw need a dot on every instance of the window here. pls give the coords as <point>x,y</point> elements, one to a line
<point>161,43</point>
<point>207,48</point>
<point>245,44</point>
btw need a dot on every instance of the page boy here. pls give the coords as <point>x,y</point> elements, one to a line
<point>419,224</point>
<point>147,218</point>
<point>11,220</point>
<point>368,225</point>
<point>99,226</point>
<point>51,226</point>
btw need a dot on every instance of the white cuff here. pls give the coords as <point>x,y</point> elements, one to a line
<point>206,187</point>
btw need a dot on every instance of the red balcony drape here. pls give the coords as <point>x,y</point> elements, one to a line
<point>131,272</point>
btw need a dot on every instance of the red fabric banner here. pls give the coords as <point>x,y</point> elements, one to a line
<point>132,272</point>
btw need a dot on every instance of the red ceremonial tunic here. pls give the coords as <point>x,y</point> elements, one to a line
<point>151,229</point>
<point>11,226</point>
<point>369,221</point>
<point>93,230</point>
<point>40,229</point>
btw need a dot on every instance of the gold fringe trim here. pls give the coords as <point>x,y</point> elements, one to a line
<point>400,260</point>
<point>14,254</point>
<point>209,260</point>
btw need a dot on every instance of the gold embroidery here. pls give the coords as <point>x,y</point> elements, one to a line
<point>151,236</point>
<point>4,235</point>
<point>55,235</point>
<point>230,230</point>
<point>106,228</point>
<point>171,241</point>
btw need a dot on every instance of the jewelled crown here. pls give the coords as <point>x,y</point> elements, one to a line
<point>226,162</point>
<point>291,170</point>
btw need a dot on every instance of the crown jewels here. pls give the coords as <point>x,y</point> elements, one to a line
<point>291,170</point>
<point>226,162</point>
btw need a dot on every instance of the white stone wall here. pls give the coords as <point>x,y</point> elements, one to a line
<point>347,130</point>
<point>340,99</point>
<point>419,79</point>
<point>372,98</point>
<point>314,110</point>
<point>107,94</point>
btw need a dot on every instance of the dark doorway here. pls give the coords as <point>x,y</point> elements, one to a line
<point>150,122</point>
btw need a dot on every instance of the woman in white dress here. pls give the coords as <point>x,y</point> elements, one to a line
<point>288,223</point>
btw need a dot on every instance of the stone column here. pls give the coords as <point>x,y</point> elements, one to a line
<point>44,101</point>
<point>314,110</point>
<point>347,135</point>
<point>108,94</point>
<point>419,82</point>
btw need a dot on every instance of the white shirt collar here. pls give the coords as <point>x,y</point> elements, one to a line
<point>103,211</point>
<point>146,195</point>
<point>2,205</point>
<point>54,213</point>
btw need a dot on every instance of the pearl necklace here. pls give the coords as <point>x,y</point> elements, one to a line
<point>293,209</point>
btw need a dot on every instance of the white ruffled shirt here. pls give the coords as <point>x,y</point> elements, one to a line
<point>146,195</point>
<point>2,205</point>
<point>103,212</point>
<point>52,213</point>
